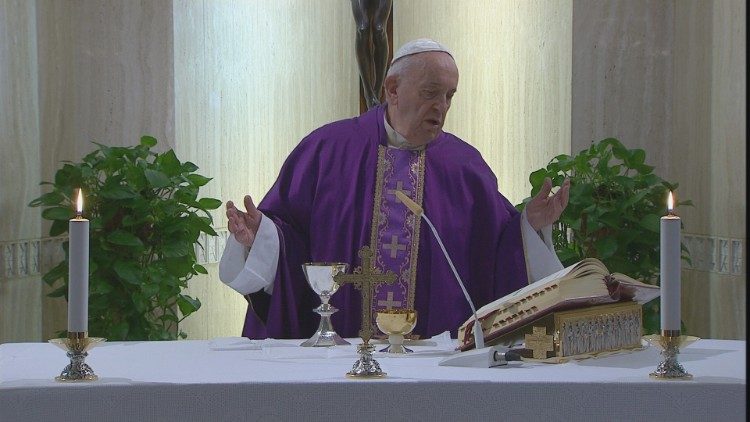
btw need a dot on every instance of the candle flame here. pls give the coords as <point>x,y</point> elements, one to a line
<point>670,203</point>
<point>79,202</point>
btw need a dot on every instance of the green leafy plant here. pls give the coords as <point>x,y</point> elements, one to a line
<point>613,214</point>
<point>145,218</point>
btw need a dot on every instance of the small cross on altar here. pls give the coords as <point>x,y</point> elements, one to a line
<point>364,279</point>
<point>539,342</point>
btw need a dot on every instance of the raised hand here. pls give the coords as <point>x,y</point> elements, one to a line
<point>543,209</point>
<point>244,225</point>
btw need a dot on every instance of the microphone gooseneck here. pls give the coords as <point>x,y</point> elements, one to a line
<point>478,335</point>
<point>417,210</point>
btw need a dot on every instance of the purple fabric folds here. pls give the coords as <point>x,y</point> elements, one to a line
<point>322,205</point>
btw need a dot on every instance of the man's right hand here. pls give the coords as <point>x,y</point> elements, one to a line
<point>244,225</point>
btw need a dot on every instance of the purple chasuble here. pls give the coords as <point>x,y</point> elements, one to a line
<point>323,205</point>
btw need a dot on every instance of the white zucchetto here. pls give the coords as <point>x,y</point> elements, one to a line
<point>420,45</point>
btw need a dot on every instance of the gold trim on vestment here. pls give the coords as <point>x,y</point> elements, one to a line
<point>375,219</point>
<point>418,173</point>
<point>377,199</point>
<point>416,225</point>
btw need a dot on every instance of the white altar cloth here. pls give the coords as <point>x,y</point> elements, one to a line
<point>275,380</point>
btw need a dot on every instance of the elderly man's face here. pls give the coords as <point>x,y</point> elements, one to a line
<point>422,98</point>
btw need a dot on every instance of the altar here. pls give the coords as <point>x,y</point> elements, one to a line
<point>234,379</point>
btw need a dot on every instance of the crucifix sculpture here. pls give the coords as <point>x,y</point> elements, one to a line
<point>373,43</point>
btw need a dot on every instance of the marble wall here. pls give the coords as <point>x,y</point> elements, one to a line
<point>622,73</point>
<point>20,287</point>
<point>233,86</point>
<point>727,189</point>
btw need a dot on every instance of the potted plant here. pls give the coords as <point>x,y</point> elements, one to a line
<point>145,218</point>
<point>613,213</point>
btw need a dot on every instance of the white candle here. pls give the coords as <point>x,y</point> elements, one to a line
<point>78,270</point>
<point>670,269</point>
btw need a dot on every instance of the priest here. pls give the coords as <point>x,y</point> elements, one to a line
<point>335,193</point>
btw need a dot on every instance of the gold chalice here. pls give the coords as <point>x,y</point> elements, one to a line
<point>396,323</point>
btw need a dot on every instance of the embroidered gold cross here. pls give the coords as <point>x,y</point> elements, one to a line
<point>394,246</point>
<point>364,279</point>
<point>539,342</point>
<point>389,303</point>
<point>399,187</point>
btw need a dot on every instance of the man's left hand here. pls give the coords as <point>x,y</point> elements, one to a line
<point>544,209</point>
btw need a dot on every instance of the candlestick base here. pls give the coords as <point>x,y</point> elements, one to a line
<point>366,366</point>
<point>670,368</point>
<point>76,347</point>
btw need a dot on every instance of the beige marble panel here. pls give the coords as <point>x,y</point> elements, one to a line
<point>726,188</point>
<point>692,112</point>
<point>728,306</point>
<point>20,299</point>
<point>696,303</point>
<point>728,119</point>
<point>105,75</point>
<point>709,115</point>
<point>691,146</point>
<point>728,149</point>
<point>252,79</point>
<point>513,99</point>
<point>54,314</point>
<point>622,73</point>
<point>714,305</point>
<point>21,310</point>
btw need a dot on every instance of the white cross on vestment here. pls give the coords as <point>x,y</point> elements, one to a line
<point>394,246</point>
<point>389,303</point>
<point>399,187</point>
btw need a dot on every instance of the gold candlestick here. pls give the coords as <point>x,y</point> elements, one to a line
<point>77,346</point>
<point>670,342</point>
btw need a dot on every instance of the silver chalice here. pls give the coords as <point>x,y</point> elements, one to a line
<point>320,277</point>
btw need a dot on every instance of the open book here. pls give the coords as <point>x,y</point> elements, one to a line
<point>583,284</point>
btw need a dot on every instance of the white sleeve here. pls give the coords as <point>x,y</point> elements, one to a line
<point>249,272</point>
<point>541,258</point>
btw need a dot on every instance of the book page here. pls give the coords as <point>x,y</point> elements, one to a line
<point>627,279</point>
<point>577,270</point>
<point>524,290</point>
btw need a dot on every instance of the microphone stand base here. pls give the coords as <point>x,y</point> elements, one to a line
<point>486,357</point>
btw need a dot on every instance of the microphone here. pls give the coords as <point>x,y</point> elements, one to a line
<point>487,357</point>
<point>419,212</point>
